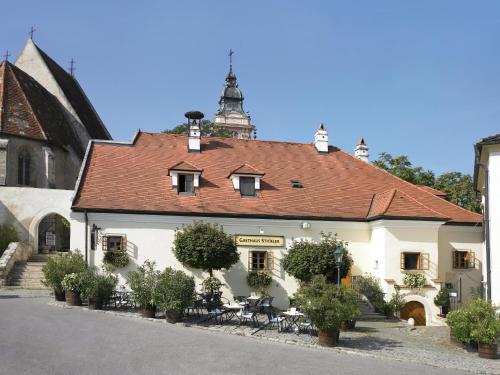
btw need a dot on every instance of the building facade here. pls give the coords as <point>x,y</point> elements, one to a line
<point>269,194</point>
<point>487,183</point>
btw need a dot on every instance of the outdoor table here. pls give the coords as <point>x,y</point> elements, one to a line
<point>291,319</point>
<point>232,311</point>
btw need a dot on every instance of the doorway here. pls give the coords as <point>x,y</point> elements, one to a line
<point>414,310</point>
<point>53,234</point>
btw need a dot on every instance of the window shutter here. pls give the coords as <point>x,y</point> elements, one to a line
<point>124,243</point>
<point>454,259</point>
<point>249,261</point>
<point>424,261</point>
<point>402,261</point>
<point>472,260</point>
<point>270,261</point>
<point>104,243</point>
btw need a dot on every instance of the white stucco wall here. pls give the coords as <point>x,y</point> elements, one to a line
<point>494,188</point>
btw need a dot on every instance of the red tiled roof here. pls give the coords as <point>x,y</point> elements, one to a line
<point>185,166</point>
<point>247,169</point>
<point>30,111</point>
<point>336,186</point>
<point>431,190</point>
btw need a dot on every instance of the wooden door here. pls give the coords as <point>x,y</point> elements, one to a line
<point>414,310</point>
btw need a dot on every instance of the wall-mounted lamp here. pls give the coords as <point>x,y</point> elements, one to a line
<point>94,236</point>
<point>306,225</point>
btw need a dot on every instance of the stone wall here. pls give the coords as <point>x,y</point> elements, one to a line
<point>16,252</point>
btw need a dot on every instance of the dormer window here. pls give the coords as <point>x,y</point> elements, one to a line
<point>185,178</point>
<point>246,179</point>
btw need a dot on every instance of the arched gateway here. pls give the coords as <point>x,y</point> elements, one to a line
<point>415,310</point>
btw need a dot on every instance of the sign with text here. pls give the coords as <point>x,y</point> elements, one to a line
<point>260,241</point>
<point>50,239</point>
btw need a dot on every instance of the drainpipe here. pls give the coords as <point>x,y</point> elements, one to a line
<point>487,229</point>
<point>86,236</point>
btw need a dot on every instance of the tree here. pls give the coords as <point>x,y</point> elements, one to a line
<point>205,246</point>
<point>458,187</point>
<point>208,129</point>
<point>306,259</point>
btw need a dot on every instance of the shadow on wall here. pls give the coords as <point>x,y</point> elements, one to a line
<point>7,217</point>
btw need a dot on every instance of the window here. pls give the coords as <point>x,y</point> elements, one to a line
<point>23,168</point>
<point>463,259</point>
<point>185,184</point>
<point>114,243</point>
<point>247,186</point>
<point>414,261</point>
<point>260,261</point>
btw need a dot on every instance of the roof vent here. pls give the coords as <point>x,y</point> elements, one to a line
<point>296,184</point>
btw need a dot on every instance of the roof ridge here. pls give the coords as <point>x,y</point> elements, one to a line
<point>35,115</point>
<point>423,204</point>
<point>392,195</point>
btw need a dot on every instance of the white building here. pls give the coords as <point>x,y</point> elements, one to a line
<point>487,182</point>
<point>134,196</point>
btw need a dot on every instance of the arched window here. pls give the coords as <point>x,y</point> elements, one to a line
<point>23,168</point>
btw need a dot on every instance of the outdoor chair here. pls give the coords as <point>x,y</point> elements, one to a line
<point>265,304</point>
<point>305,324</point>
<point>214,312</point>
<point>248,316</point>
<point>274,320</point>
<point>196,307</point>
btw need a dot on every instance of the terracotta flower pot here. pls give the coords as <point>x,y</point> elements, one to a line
<point>328,337</point>
<point>73,298</point>
<point>488,351</point>
<point>95,304</point>
<point>59,295</point>
<point>149,312</point>
<point>173,317</point>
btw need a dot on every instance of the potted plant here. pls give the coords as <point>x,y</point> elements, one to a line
<point>175,293</point>
<point>328,306</point>
<point>442,300</point>
<point>72,286</point>
<point>395,304</point>
<point>116,259</point>
<point>144,283</point>
<point>260,281</point>
<point>414,280</point>
<point>97,287</point>
<point>211,286</point>
<point>59,266</point>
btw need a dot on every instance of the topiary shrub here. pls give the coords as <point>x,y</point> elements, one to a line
<point>305,259</point>
<point>61,265</point>
<point>414,280</point>
<point>8,234</point>
<point>261,281</point>
<point>205,246</point>
<point>175,293</point>
<point>116,259</point>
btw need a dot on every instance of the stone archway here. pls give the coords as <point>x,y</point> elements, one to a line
<point>415,310</point>
<point>39,226</point>
<point>53,234</point>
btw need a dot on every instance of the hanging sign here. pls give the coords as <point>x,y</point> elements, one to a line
<point>50,239</point>
<point>260,241</point>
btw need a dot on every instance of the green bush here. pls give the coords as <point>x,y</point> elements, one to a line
<point>475,321</point>
<point>8,234</point>
<point>260,281</point>
<point>306,259</point>
<point>205,246</point>
<point>73,282</point>
<point>61,265</point>
<point>144,283</point>
<point>326,305</point>
<point>97,286</point>
<point>117,259</point>
<point>175,291</point>
<point>442,298</point>
<point>369,286</point>
<point>414,280</point>
<point>396,303</point>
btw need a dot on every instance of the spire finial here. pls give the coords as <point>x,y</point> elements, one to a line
<point>72,67</point>
<point>32,31</point>
<point>231,53</point>
<point>6,56</point>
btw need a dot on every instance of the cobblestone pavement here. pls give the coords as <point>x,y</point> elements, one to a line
<point>387,340</point>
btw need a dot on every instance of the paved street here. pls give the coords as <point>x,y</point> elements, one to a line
<point>37,338</point>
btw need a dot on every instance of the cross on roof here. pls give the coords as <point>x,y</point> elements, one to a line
<point>6,55</point>
<point>231,53</point>
<point>32,31</point>
<point>72,67</point>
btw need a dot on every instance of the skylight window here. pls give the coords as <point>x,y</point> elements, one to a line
<point>296,184</point>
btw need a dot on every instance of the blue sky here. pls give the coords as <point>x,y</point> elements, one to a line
<point>413,77</point>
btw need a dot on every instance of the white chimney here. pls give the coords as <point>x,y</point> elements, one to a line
<point>194,139</point>
<point>361,151</point>
<point>321,139</point>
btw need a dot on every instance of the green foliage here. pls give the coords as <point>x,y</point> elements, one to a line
<point>61,265</point>
<point>205,246</point>
<point>458,187</point>
<point>327,305</point>
<point>73,282</point>
<point>260,281</point>
<point>211,285</point>
<point>144,284</point>
<point>8,234</point>
<point>414,280</point>
<point>175,291</point>
<point>369,286</point>
<point>396,303</point>
<point>116,259</point>
<point>97,286</point>
<point>208,129</point>
<point>442,298</point>
<point>475,321</point>
<point>306,259</point>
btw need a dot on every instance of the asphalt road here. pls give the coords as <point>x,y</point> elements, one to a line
<point>37,338</point>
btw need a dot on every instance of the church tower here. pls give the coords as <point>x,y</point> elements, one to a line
<point>231,115</point>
